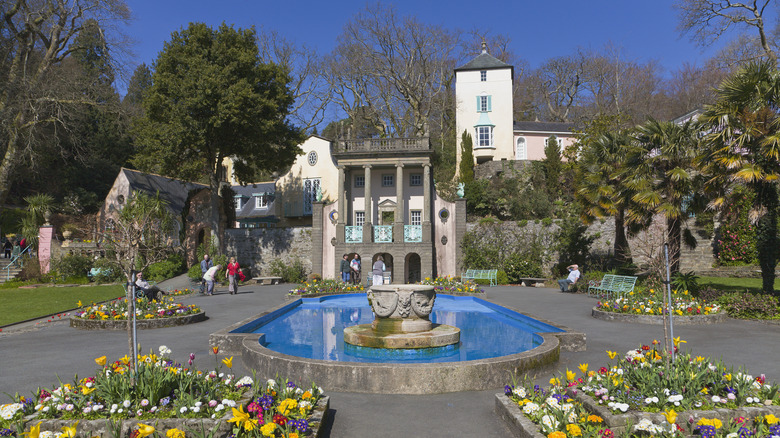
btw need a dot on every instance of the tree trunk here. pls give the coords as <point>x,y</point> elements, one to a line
<point>674,237</point>
<point>622,250</point>
<point>130,311</point>
<point>766,236</point>
<point>10,160</point>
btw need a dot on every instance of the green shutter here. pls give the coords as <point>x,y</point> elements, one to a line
<point>489,102</point>
<point>478,105</point>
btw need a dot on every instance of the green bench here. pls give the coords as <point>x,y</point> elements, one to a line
<point>616,285</point>
<point>481,274</point>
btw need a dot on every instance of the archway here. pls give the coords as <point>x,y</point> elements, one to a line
<point>388,259</point>
<point>413,268</point>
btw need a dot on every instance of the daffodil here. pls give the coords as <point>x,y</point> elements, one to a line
<point>34,432</point>
<point>144,430</point>
<point>670,416</point>
<point>678,341</point>
<point>583,368</point>
<point>101,361</point>
<point>242,419</point>
<point>228,361</point>
<point>611,354</point>
<point>86,391</point>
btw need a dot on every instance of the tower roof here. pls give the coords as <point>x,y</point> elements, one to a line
<point>485,61</point>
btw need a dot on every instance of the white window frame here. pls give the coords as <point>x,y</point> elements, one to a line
<point>415,179</point>
<point>484,104</point>
<point>415,217</point>
<point>238,203</point>
<point>261,202</point>
<point>484,138</point>
<point>483,76</point>
<point>524,154</point>
<point>360,218</point>
<point>388,180</point>
<point>360,181</point>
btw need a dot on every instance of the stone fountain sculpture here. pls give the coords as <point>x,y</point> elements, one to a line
<point>402,320</point>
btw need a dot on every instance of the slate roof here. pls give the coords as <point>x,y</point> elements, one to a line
<point>247,193</point>
<point>484,61</point>
<point>174,191</point>
<point>544,126</point>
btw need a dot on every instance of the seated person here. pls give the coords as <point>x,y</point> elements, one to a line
<point>574,275</point>
<point>149,290</point>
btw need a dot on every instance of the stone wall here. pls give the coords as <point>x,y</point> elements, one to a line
<point>644,246</point>
<point>490,169</point>
<point>256,248</point>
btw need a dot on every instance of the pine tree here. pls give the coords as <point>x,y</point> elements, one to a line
<point>466,158</point>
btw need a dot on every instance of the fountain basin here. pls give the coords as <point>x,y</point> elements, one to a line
<point>301,340</point>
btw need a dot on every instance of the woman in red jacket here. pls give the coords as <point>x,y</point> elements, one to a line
<point>232,275</point>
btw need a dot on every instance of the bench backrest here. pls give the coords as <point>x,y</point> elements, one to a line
<point>607,281</point>
<point>469,273</point>
<point>625,283</point>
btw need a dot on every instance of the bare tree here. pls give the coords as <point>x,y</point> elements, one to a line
<point>37,36</point>
<point>706,21</point>
<point>308,81</point>
<point>557,83</point>
<point>395,70</point>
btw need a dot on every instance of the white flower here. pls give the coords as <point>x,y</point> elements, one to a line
<point>749,399</point>
<point>120,410</point>
<point>86,410</point>
<point>8,411</point>
<point>715,399</point>
<point>183,409</point>
<point>198,404</point>
<point>144,402</point>
<point>126,403</point>
<point>550,421</point>
<point>229,403</point>
<point>530,408</point>
<point>153,409</point>
<point>219,407</point>
<point>196,409</point>
<point>270,382</point>
<point>552,402</point>
<point>114,406</point>
<point>164,351</point>
<point>45,409</point>
<point>520,392</point>
<point>732,435</point>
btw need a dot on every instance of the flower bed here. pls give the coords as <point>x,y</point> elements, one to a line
<point>642,394</point>
<point>144,309</point>
<point>651,303</point>
<point>450,286</point>
<point>168,399</point>
<point>325,287</point>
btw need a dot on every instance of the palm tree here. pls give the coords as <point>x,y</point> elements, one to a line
<point>664,177</point>
<point>601,185</point>
<point>743,147</point>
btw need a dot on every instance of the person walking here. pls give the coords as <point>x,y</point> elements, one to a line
<point>232,275</point>
<point>205,265</point>
<point>7,247</point>
<point>377,271</point>
<point>344,268</point>
<point>210,276</point>
<point>355,267</point>
<point>574,275</point>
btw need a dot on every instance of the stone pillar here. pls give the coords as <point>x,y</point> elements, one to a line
<point>342,200</point>
<point>368,228</point>
<point>316,237</point>
<point>398,226</point>
<point>427,235</point>
<point>460,230</point>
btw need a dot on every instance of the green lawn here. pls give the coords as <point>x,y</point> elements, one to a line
<point>734,284</point>
<point>23,304</point>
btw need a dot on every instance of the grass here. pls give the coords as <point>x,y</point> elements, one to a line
<point>22,304</point>
<point>734,284</point>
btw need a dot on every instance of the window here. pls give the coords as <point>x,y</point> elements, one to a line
<point>483,104</point>
<point>416,217</point>
<point>312,158</point>
<point>311,186</point>
<point>483,75</point>
<point>238,203</point>
<point>360,218</point>
<point>360,181</point>
<point>388,180</point>
<point>484,136</point>
<point>261,201</point>
<point>415,179</point>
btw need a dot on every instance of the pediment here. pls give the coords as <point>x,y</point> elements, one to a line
<point>387,203</point>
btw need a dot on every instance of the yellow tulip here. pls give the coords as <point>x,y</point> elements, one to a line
<point>101,361</point>
<point>670,416</point>
<point>583,368</point>
<point>144,430</point>
<point>677,341</point>
<point>554,381</point>
<point>34,432</point>
<point>86,391</point>
<point>612,354</point>
<point>175,433</point>
<point>570,375</point>
<point>69,431</point>
<point>228,361</point>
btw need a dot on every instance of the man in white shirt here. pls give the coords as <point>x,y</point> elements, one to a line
<point>210,276</point>
<point>149,290</point>
<point>574,275</point>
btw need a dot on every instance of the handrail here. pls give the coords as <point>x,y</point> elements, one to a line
<point>15,261</point>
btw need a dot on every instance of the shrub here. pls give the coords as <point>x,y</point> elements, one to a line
<point>501,277</point>
<point>109,272</point>
<point>72,265</point>
<point>737,244</point>
<point>291,270</point>
<point>170,267</point>
<point>686,281</point>
<point>747,305</point>
<point>518,266</point>
<point>195,273</point>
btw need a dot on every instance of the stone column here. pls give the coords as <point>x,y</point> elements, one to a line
<point>368,228</point>
<point>316,237</point>
<point>342,200</point>
<point>459,217</point>
<point>398,228</point>
<point>427,205</point>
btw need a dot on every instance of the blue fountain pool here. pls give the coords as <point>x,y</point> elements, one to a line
<point>313,328</point>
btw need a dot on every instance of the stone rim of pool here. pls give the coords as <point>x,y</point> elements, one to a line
<point>396,378</point>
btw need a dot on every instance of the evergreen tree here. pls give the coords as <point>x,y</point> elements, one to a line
<point>552,167</point>
<point>466,158</point>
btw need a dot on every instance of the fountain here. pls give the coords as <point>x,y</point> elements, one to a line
<point>402,320</point>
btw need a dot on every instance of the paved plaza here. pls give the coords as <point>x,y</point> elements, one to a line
<point>32,355</point>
